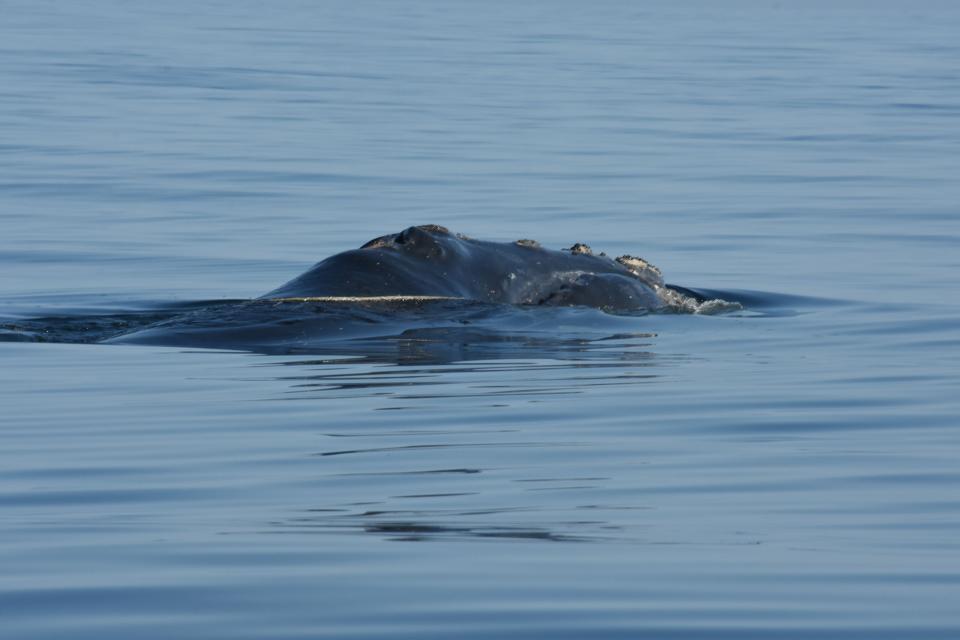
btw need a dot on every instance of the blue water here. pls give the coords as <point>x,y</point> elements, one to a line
<point>789,471</point>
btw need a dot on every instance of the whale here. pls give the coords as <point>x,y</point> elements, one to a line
<point>424,284</point>
<point>430,261</point>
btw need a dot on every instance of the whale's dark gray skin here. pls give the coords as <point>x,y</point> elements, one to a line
<point>422,285</point>
<point>429,260</point>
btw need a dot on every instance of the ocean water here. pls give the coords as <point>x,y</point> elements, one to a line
<point>787,471</point>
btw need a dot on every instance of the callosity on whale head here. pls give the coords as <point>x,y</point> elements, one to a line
<point>431,261</point>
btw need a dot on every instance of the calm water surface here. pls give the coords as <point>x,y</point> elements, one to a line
<point>789,471</point>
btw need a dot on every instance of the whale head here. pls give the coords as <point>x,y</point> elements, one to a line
<point>430,260</point>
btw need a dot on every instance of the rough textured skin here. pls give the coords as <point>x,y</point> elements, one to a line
<point>429,260</point>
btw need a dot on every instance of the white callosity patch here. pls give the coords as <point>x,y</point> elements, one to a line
<point>672,299</point>
<point>639,267</point>
<point>580,248</point>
